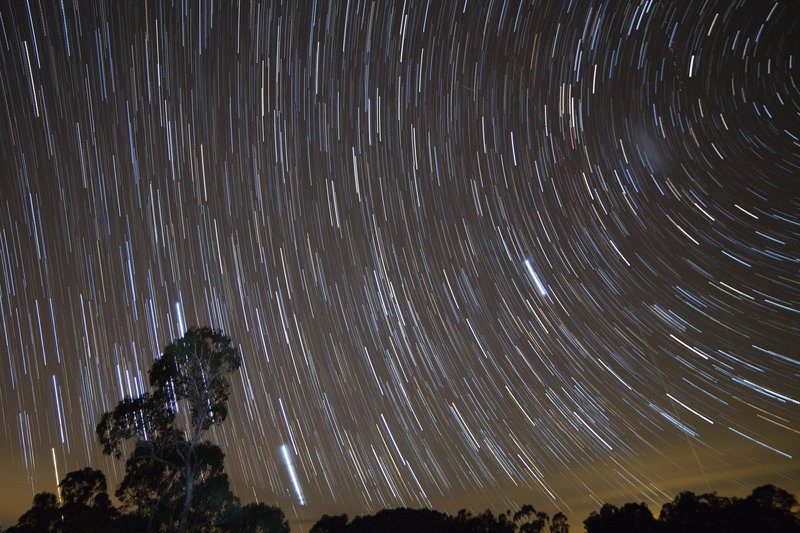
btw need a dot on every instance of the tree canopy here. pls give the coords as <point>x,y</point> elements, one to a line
<point>84,507</point>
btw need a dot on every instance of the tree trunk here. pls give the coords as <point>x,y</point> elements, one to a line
<point>187,503</point>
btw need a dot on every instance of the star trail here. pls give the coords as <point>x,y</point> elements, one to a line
<point>474,253</point>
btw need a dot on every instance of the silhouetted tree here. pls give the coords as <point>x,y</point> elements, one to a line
<point>173,478</point>
<point>84,487</point>
<point>559,524</point>
<point>530,520</point>
<point>690,513</point>
<point>634,517</point>
<point>630,518</point>
<point>768,509</point>
<point>262,518</point>
<point>331,524</point>
<point>600,522</point>
<point>484,523</point>
<point>503,524</point>
<point>401,520</point>
<point>42,517</point>
<point>771,497</point>
<point>85,507</point>
<point>466,522</point>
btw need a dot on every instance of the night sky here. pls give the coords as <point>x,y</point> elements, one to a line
<point>475,254</point>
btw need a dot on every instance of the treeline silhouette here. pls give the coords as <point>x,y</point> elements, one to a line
<point>85,507</point>
<point>175,481</point>
<point>767,509</point>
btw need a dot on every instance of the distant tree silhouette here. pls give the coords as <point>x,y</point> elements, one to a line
<point>465,521</point>
<point>771,497</point>
<point>530,520</point>
<point>485,522</point>
<point>42,517</point>
<point>261,518</point>
<point>331,524</point>
<point>630,518</point>
<point>426,520</point>
<point>85,507</point>
<point>769,509</point>
<point>601,522</point>
<point>504,523</point>
<point>401,520</point>
<point>635,517</point>
<point>690,513</point>
<point>173,478</point>
<point>559,524</point>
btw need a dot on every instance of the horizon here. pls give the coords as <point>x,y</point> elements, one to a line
<point>502,252</point>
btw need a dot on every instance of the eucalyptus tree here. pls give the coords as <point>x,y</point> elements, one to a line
<point>174,479</point>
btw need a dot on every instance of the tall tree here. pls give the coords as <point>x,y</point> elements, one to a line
<point>171,465</point>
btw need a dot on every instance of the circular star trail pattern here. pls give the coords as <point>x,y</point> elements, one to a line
<point>474,254</point>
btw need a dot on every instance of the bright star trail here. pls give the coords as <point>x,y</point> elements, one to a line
<point>474,254</point>
<point>536,280</point>
<point>290,468</point>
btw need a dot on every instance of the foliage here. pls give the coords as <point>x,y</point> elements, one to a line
<point>630,518</point>
<point>401,520</point>
<point>426,520</point>
<point>767,509</point>
<point>42,516</point>
<point>692,513</point>
<point>262,518</point>
<point>770,510</point>
<point>331,524</point>
<point>84,507</point>
<point>530,520</point>
<point>559,524</point>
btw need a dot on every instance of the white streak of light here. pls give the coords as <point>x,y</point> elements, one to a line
<point>55,468</point>
<point>181,324</point>
<point>536,280</point>
<point>292,474</point>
